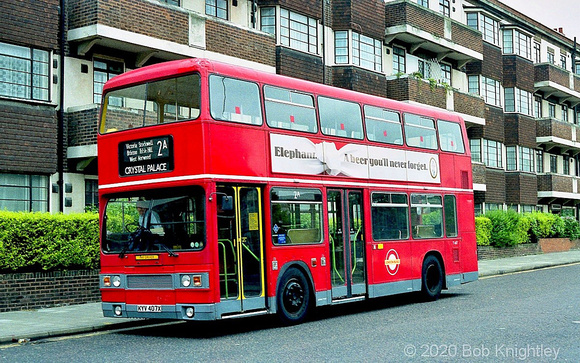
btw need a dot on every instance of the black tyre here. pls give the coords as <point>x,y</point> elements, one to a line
<point>293,297</point>
<point>431,278</point>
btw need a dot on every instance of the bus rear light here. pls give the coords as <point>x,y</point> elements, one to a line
<point>197,280</point>
<point>116,281</point>
<point>107,281</point>
<point>189,312</point>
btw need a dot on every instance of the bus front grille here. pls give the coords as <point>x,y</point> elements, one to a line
<point>149,282</point>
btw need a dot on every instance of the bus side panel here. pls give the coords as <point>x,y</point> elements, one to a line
<point>390,262</point>
<point>237,150</point>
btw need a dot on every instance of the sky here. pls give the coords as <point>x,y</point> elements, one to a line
<point>551,13</point>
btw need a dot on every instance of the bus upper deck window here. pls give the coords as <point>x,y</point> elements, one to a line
<point>234,100</point>
<point>450,136</point>
<point>290,110</point>
<point>340,118</point>
<point>420,132</point>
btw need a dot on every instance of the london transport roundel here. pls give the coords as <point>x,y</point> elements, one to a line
<point>392,262</point>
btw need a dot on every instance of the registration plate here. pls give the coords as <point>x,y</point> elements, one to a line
<point>148,308</point>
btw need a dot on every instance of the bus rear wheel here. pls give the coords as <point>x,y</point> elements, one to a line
<point>431,278</point>
<point>293,298</point>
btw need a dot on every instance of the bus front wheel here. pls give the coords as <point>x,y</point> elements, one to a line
<point>431,278</point>
<point>293,298</point>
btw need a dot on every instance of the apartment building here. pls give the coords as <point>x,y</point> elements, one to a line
<point>514,81</point>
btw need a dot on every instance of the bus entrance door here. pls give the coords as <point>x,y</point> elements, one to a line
<point>345,227</point>
<point>240,245</point>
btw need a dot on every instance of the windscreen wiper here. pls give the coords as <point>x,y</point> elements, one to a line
<point>169,250</point>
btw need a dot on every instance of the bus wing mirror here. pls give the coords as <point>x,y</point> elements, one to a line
<point>227,203</point>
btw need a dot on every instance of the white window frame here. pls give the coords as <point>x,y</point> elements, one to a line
<point>25,72</point>
<point>297,31</point>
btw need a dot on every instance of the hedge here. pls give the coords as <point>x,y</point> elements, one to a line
<point>508,228</point>
<point>47,242</point>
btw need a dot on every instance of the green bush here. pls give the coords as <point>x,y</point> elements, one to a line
<point>482,230</point>
<point>42,241</point>
<point>508,228</point>
<point>544,225</point>
<point>571,228</point>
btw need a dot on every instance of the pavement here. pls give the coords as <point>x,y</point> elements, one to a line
<point>24,326</point>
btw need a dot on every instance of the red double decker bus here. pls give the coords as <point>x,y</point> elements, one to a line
<point>228,192</point>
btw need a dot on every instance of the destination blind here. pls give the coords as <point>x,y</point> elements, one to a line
<point>146,156</point>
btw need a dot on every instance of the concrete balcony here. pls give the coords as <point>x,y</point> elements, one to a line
<point>552,133</point>
<point>558,189</point>
<point>426,30</point>
<point>146,29</point>
<point>557,82</point>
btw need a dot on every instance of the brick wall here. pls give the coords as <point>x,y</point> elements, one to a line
<point>312,8</point>
<point>557,183</point>
<point>494,124</point>
<point>478,173</point>
<point>24,291</point>
<point>469,104</point>
<point>520,130</point>
<point>550,127</point>
<point>407,88</point>
<point>28,135</point>
<point>549,72</point>
<point>82,127</point>
<point>225,38</point>
<point>30,23</point>
<point>404,13</point>
<point>466,36</point>
<point>521,188</point>
<point>518,72</point>
<point>297,64</point>
<point>360,16</point>
<point>492,253</point>
<point>495,186</point>
<point>138,16</point>
<point>359,80</point>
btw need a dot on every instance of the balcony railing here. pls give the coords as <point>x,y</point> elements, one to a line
<point>552,133</point>
<point>427,30</point>
<point>559,189</point>
<point>557,82</point>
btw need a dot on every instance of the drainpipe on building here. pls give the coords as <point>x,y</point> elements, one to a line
<point>60,126</point>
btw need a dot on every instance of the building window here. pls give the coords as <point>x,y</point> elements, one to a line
<point>553,164</point>
<point>577,68</point>
<point>217,8</point>
<point>538,107</point>
<point>268,20</point>
<point>537,53</point>
<point>473,84</point>
<point>91,195</point>
<point>367,52</point>
<point>23,193</point>
<point>298,31</point>
<point>341,47</point>
<point>526,159</point>
<point>551,110</point>
<point>475,147</point>
<point>540,161</point>
<point>565,117</point>
<point>24,72</point>
<point>566,169</point>
<point>517,100</point>
<point>563,60</point>
<point>171,2</point>
<point>551,57</point>
<point>492,153</point>
<point>511,164</point>
<point>103,71</point>
<point>472,20</point>
<point>398,60</point>
<point>516,42</point>
<point>446,73</point>
<point>489,29</point>
<point>491,91</point>
<point>444,7</point>
<point>424,3</point>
